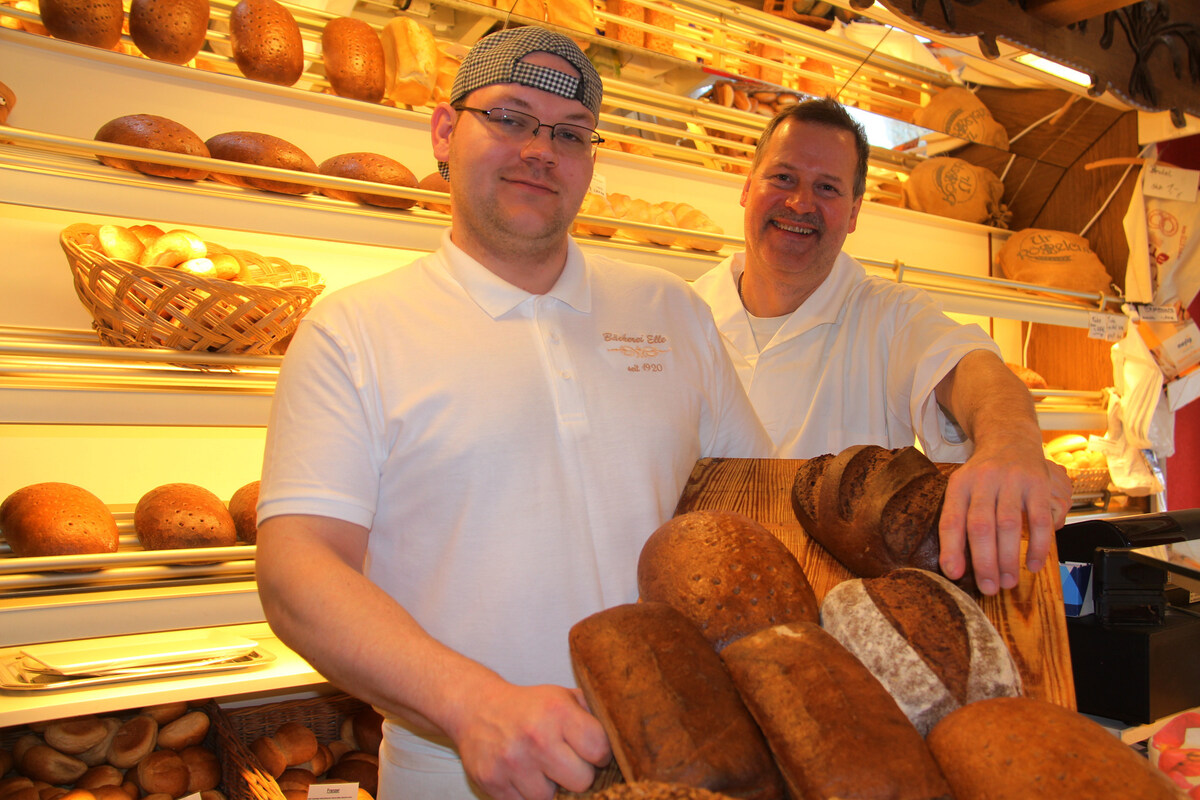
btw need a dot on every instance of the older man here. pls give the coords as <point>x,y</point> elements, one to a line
<point>833,358</point>
<point>465,455</point>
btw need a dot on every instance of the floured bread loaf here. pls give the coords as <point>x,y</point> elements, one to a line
<point>1019,748</point>
<point>666,702</point>
<point>726,573</point>
<point>925,639</point>
<point>833,728</point>
<point>872,508</point>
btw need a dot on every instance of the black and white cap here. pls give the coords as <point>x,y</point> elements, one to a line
<point>497,59</point>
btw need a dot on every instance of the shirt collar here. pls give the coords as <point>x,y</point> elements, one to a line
<point>497,296</point>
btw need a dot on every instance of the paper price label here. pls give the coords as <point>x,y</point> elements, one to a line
<point>1170,183</point>
<point>598,185</point>
<point>332,791</point>
<point>1151,313</point>
<point>1109,327</point>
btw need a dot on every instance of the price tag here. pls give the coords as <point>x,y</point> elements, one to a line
<point>599,185</point>
<point>1170,183</point>
<point>1109,327</point>
<point>332,791</point>
<point>1151,313</point>
<point>192,796</point>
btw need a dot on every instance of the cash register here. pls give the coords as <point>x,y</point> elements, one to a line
<point>1136,655</point>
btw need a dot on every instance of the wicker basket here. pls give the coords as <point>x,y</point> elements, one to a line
<point>161,307</point>
<point>1088,481</point>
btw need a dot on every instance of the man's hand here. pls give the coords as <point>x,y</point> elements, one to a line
<point>988,499</point>
<point>522,742</point>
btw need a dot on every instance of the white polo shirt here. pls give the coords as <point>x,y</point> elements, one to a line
<point>510,453</point>
<point>857,363</point>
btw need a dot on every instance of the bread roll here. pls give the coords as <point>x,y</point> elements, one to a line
<point>163,771</point>
<point>8,99</point>
<point>75,734</point>
<point>110,792</point>
<point>297,742</point>
<point>354,60</point>
<point>187,731</point>
<point>1031,379</point>
<point>100,775</point>
<point>410,61</point>
<point>94,22</point>
<point>695,220</point>
<point>181,515</point>
<point>368,730</point>
<point>668,706</point>
<point>266,42</point>
<point>1019,748</point>
<point>296,779</point>
<point>726,573</point>
<point>625,33</point>
<point>172,249</point>
<point>97,754</point>
<point>434,182</point>
<point>243,507</point>
<point>134,740</point>
<point>834,730</point>
<point>120,243</point>
<point>369,167</point>
<point>353,770</point>
<point>154,133</point>
<point>16,787</point>
<point>264,150</point>
<point>596,205</point>
<point>871,508</point>
<point>54,519</point>
<point>42,762</point>
<point>269,755</point>
<point>169,30</point>
<point>925,639</point>
<point>162,713</point>
<point>204,768</point>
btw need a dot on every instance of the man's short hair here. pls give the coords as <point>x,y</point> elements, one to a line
<point>822,111</point>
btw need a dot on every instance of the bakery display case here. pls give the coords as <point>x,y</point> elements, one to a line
<point>122,420</point>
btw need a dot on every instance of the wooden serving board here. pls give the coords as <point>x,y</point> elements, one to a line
<point>1030,617</point>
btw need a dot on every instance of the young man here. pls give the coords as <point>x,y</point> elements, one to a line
<point>466,455</point>
<point>833,358</point>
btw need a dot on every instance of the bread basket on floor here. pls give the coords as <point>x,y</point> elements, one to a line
<point>163,307</point>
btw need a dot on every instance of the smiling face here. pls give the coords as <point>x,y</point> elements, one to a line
<point>512,199</point>
<point>800,204</point>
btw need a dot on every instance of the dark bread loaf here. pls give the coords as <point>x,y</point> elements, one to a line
<point>726,573</point>
<point>156,133</point>
<point>354,61</point>
<point>667,703</point>
<point>654,790</point>
<point>57,519</point>
<point>925,639</point>
<point>872,508</point>
<point>169,30</point>
<point>833,728</point>
<point>266,42</point>
<point>243,507</point>
<point>263,150</point>
<point>94,22</point>
<point>369,167</point>
<point>178,515</point>
<point>434,182</point>
<point>1019,748</point>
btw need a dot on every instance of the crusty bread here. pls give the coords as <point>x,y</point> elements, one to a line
<point>204,768</point>
<point>833,728</point>
<point>243,507</point>
<point>41,762</point>
<point>134,740</point>
<point>177,515</point>
<point>925,639</point>
<point>667,703</point>
<point>187,731</point>
<point>1020,748</point>
<point>55,519</point>
<point>354,59</point>
<point>265,150</point>
<point>163,771</point>
<point>169,30</point>
<point>873,509</point>
<point>266,42</point>
<point>410,61</point>
<point>726,573</point>
<point>434,182</point>
<point>74,735</point>
<point>94,22</point>
<point>654,790</point>
<point>154,133</point>
<point>369,167</point>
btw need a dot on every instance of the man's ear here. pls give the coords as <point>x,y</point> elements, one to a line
<point>746,190</point>
<point>858,201</point>
<point>441,124</point>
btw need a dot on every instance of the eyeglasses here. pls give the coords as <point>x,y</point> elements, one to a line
<point>570,140</point>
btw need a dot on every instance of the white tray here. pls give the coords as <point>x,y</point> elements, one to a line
<point>137,651</point>
<point>15,675</point>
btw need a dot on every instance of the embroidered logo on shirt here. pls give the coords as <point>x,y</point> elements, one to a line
<point>641,346</point>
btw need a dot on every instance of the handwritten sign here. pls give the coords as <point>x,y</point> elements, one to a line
<point>599,185</point>
<point>1170,183</point>
<point>1109,327</point>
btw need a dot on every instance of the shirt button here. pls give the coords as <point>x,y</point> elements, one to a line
<point>565,375</point>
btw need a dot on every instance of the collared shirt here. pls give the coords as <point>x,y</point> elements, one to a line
<point>857,363</point>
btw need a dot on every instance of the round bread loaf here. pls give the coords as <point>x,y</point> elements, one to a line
<point>297,742</point>
<point>204,768</point>
<point>16,787</point>
<point>134,740</point>
<point>269,755</point>
<point>180,515</point>
<point>97,754</point>
<point>188,730</point>
<point>264,150</point>
<point>266,42</point>
<point>41,762</point>
<point>162,713</point>
<point>163,771</point>
<point>434,182</point>
<point>834,730</point>
<point>368,730</point>
<point>100,775</point>
<point>925,639</point>
<point>726,573</point>
<point>169,30</point>
<point>74,735</point>
<point>56,519</point>
<point>655,790</point>
<point>354,61</point>
<point>1019,748</point>
<point>94,22</point>
<point>353,770</point>
<point>154,133</point>
<point>667,703</point>
<point>243,507</point>
<point>369,167</point>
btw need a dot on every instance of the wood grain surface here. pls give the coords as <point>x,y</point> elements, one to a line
<point>1030,617</point>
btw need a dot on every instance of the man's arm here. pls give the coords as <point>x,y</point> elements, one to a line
<point>515,741</point>
<point>1006,478</point>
